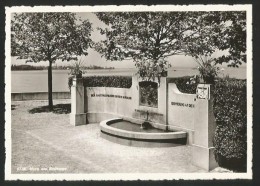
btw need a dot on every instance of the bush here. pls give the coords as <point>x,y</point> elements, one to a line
<point>230,111</point>
<point>182,85</point>
<point>208,71</point>
<point>105,81</point>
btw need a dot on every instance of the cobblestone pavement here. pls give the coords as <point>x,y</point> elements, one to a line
<point>45,142</point>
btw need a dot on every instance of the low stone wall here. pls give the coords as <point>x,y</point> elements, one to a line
<point>38,96</point>
<point>181,111</point>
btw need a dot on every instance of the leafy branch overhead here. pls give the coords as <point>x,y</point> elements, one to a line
<point>148,38</point>
<point>219,31</point>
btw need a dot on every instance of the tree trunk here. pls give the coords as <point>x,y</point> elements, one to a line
<point>50,86</point>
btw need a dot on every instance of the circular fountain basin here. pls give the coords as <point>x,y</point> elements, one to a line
<point>124,132</point>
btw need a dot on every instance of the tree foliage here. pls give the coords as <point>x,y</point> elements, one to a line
<point>146,37</point>
<point>234,38</point>
<point>49,37</point>
<point>218,31</point>
<point>150,37</point>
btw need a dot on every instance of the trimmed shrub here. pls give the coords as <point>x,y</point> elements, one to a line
<point>230,110</point>
<point>105,81</point>
<point>183,84</point>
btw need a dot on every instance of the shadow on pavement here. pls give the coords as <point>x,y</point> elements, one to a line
<point>57,109</point>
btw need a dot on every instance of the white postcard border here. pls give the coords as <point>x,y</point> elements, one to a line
<point>119,176</point>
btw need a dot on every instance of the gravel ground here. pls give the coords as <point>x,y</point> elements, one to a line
<point>45,142</point>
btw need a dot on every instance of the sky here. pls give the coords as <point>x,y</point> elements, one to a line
<point>94,58</point>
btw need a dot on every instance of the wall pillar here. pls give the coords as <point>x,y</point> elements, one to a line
<point>204,125</point>
<point>77,115</point>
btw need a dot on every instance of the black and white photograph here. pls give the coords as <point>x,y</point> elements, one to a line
<point>159,92</point>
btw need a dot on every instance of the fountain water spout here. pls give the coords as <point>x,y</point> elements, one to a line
<point>146,123</point>
<point>147,114</point>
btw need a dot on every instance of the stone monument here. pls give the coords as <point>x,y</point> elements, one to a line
<point>77,116</point>
<point>204,125</point>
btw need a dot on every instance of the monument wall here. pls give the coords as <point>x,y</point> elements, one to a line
<point>106,102</point>
<point>181,111</point>
<point>192,113</point>
<point>175,110</point>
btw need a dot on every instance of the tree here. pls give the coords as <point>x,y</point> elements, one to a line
<point>150,37</point>
<point>217,31</point>
<point>146,37</point>
<point>204,40</point>
<point>49,37</point>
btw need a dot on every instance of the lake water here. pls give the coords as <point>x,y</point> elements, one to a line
<point>37,81</point>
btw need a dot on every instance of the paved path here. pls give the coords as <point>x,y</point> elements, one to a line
<point>47,141</point>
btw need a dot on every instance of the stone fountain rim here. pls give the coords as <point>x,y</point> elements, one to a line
<point>104,127</point>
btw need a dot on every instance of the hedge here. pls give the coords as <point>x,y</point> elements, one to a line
<point>105,81</point>
<point>182,85</point>
<point>230,110</point>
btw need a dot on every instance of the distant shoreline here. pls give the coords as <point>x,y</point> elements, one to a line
<point>94,67</point>
<point>30,68</point>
